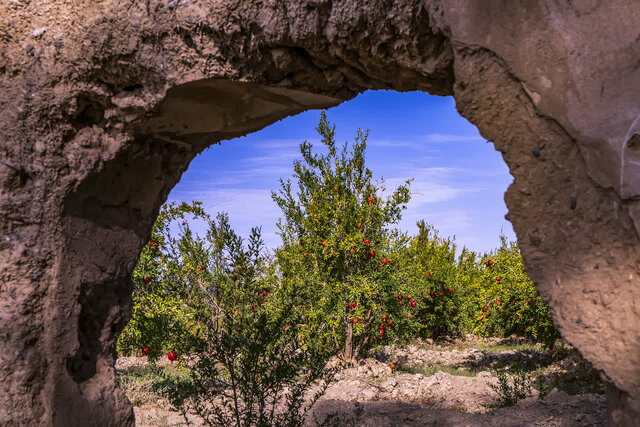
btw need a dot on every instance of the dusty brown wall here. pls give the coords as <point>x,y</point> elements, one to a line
<point>103,110</point>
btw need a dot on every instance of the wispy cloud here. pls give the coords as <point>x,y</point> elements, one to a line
<point>274,144</point>
<point>279,158</point>
<point>445,137</point>
<point>385,143</point>
<point>420,142</point>
<point>448,222</point>
<point>246,208</point>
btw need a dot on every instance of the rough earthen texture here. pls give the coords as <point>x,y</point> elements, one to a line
<point>104,103</point>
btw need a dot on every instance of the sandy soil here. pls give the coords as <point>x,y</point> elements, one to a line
<point>370,394</point>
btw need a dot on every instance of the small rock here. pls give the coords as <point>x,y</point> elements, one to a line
<point>58,43</point>
<point>172,4</point>
<point>40,31</point>
<point>28,48</point>
<point>367,394</point>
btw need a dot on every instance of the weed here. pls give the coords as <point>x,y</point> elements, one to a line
<point>511,388</point>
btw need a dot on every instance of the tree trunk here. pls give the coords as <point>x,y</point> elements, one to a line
<point>348,342</point>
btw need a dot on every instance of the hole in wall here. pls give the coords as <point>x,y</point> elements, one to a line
<point>460,179</point>
<point>634,142</point>
<point>88,112</point>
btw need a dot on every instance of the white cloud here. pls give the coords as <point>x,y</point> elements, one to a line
<point>444,137</point>
<point>421,142</point>
<point>394,144</point>
<point>247,208</point>
<point>272,144</point>
<point>280,158</point>
<point>447,222</point>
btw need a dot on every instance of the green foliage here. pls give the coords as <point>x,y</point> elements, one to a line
<point>428,291</point>
<point>258,331</point>
<point>222,303</point>
<point>511,388</point>
<point>253,368</point>
<point>503,300</point>
<point>516,384</point>
<point>431,368</point>
<point>335,235</point>
<point>161,321</point>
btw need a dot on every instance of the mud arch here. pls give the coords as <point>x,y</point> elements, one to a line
<point>105,103</point>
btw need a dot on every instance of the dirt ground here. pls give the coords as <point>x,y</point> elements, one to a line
<point>419,392</point>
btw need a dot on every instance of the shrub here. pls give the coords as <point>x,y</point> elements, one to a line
<point>503,299</point>
<point>250,366</point>
<point>433,300</point>
<point>511,388</point>
<point>335,234</point>
<point>160,320</point>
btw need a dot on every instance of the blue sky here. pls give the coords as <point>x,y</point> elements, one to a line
<point>459,178</point>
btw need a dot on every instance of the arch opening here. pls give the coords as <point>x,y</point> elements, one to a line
<point>222,186</point>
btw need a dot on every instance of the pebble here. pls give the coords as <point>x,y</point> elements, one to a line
<point>40,31</point>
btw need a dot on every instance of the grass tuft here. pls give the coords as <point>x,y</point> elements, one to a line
<point>431,368</point>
